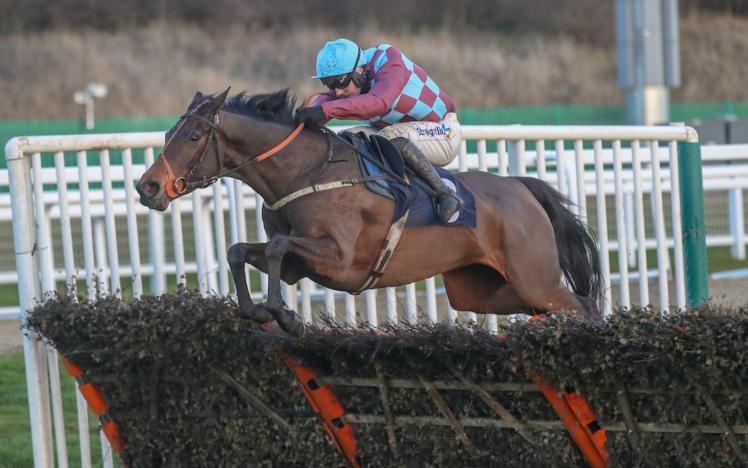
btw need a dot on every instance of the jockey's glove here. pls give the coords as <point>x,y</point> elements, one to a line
<point>313,114</point>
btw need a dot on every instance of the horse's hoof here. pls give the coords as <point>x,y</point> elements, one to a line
<point>290,322</point>
<point>259,314</point>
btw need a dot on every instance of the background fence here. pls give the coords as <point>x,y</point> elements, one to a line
<point>693,113</point>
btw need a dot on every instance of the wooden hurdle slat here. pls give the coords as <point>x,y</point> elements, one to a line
<point>384,394</point>
<point>254,401</point>
<point>448,414</point>
<point>719,417</point>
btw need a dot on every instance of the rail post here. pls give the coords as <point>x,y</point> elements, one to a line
<point>694,228</point>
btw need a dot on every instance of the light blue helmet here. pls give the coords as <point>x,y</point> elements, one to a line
<point>337,58</point>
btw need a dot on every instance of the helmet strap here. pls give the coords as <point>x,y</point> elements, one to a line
<point>361,80</point>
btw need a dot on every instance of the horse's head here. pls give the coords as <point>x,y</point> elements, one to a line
<point>190,158</point>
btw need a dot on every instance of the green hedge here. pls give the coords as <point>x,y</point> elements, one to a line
<point>155,361</point>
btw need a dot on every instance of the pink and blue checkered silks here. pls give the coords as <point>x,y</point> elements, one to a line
<point>400,92</point>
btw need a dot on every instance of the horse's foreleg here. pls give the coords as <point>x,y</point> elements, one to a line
<point>317,253</point>
<point>238,256</point>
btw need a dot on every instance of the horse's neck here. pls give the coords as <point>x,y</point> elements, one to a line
<point>291,168</point>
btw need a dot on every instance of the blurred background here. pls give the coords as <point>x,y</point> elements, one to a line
<point>502,61</point>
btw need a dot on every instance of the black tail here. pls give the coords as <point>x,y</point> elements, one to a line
<point>577,248</point>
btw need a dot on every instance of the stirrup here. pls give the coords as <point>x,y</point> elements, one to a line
<point>447,205</point>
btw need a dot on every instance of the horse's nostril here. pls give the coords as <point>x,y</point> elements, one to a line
<point>147,188</point>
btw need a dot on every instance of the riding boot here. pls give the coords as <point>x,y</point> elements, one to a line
<point>447,201</point>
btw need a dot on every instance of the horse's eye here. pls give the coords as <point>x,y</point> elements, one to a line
<point>195,136</point>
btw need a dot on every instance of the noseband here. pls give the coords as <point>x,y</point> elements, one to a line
<point>176,186</point>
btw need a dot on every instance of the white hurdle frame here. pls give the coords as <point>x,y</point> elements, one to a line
<point>647,164</point>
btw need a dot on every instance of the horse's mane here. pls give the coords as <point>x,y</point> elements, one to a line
<point>276,107</point>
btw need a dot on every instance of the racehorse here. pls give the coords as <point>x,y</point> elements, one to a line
<point>525,237</point>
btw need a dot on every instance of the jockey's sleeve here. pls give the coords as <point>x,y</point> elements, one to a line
<point>389,83</point>
<point>317,99</point>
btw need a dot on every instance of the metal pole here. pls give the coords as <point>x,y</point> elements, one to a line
<point>694,229</point>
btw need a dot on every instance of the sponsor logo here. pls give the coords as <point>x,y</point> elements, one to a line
<point>437,131</point>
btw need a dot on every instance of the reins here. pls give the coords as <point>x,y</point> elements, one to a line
<point>176,186</point>
<point>363,154</point>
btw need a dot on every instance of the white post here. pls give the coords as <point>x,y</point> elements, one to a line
<point>350,310</point>
<point>156,242</point>
<point>641,239</point>
<point>86,226</point>
<point>111,228</point>
<point>579,172</point>
<point>737,230</point>
<point>371,308</point>
<point>517,166</point>
<point>306,302</point>
<point>675,211</point>
<point>602,225</point>
<point>176,231</point>
<point>198,228</point>
<point>65,228</point>
<point>658,213</point>
<point>411,306</point>
<point>391,306</point>
<point>630,225</point>
<point>621,231</point>
<point>431,315</point>
<point>220,238</point>
<point>132,224</point>
<point>24,240</point>
<point>262,237</point>
<point>330,304</point>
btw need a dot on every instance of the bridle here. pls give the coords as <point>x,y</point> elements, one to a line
<point>177,186</point>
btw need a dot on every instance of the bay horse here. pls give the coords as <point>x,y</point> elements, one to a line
<point>512,261</point>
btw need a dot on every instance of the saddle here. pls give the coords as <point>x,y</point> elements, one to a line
<point>408,193</point>
<point>380,149</point>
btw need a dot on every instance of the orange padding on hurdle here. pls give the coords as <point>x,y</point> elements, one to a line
<point>576,415</point>
<point>325,404</point>
<point>110,430</point>
<point>586,416</point>
<point>98,405</point>
<point>577,431</point>
<point>72,369</point>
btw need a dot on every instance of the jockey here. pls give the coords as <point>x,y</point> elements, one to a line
<point>398,100</point>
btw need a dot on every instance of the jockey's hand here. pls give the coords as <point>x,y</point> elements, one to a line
<point>313,114</point>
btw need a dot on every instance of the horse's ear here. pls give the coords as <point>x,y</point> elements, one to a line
<point>219,100</point>
<point>196,100</point>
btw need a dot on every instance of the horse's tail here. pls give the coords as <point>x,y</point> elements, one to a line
<point>576,245</point>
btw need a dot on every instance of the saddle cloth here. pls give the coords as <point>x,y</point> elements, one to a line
<point>411,197</point>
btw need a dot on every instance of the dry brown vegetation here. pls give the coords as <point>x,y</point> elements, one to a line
<point>155,69</point>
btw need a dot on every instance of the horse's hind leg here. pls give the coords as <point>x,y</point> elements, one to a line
<point>538,284</point>
<point>483,290</point>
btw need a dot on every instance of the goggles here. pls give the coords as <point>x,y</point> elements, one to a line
<point>337,81</point>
